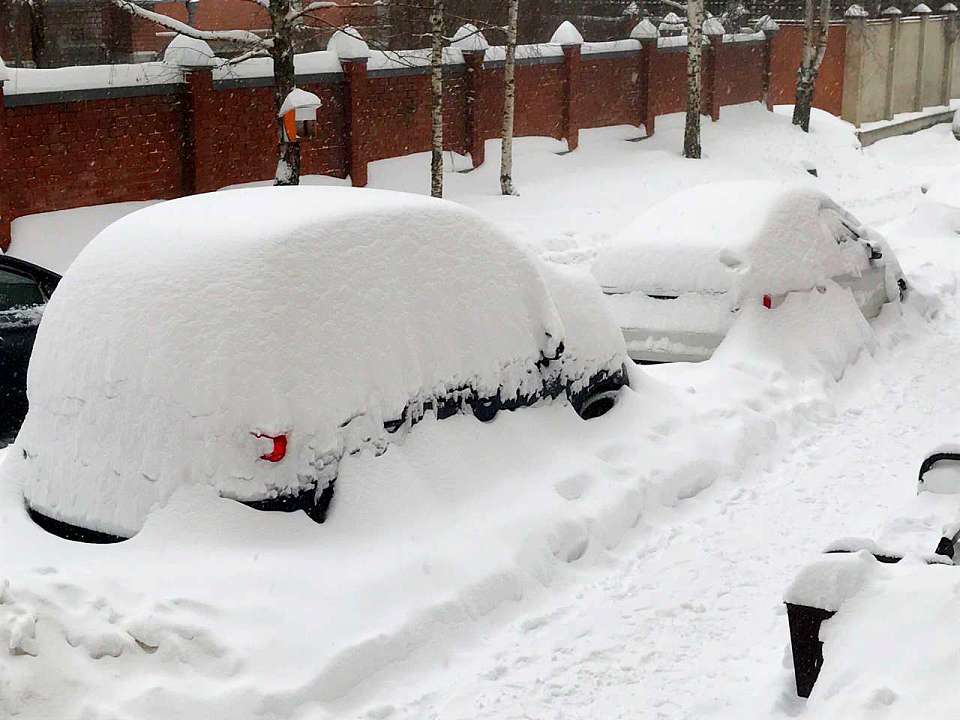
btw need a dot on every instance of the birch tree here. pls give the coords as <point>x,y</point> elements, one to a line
<point>691,131</point>
<point>436,98</point>
<point>285,17</point>
<point>816,25</point>
<point>509,93</point>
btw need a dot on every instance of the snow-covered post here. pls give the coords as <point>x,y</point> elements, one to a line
<point>648,35</point>
<point>769,28</point>
<point>893,13</point>
<point>951,29</point>
<point>4,210</point>
<point>473,46</point>
<point>713,29</point>
<point>924,12</point>
<point>354,53</point>
<point>196,61</point>
<point>570,40</point>
<point>853,77</point>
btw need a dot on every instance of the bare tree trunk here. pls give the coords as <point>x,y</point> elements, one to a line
<point>436,98</point>
<point>284,81</point>
<point>691,134</point>
<point>815,29</point>
<point>509,92</point>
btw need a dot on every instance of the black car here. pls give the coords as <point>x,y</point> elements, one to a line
<point>24,291</point>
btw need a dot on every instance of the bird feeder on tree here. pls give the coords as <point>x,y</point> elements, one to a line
<point>299,113</point>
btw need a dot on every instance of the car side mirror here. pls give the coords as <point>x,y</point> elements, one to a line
<point>875,253</point>
<point>940,473</point>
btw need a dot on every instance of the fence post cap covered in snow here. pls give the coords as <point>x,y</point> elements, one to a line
<point>566,35</point>
<point>189,52</point>
<point>768,26</point>
<point>892,11</point>
<point>856,12</point>
<point>948,8</point>
<point>468,38</point>
<point>922,9</point>
<point>348,44</point>
<point>712,27</point>
<point>644,30</point>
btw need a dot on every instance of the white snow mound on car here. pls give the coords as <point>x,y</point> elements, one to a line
<point>745,238</point>
<point>186,328</point>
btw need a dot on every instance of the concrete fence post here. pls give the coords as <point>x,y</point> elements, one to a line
<point>769,27</point>
<point>893,13</point>
<point>473,60</point>
<point>951,29</point>
<point>924,12</point>
<point>648,35</point>
<point>355,71</point>
<point>852,105</point>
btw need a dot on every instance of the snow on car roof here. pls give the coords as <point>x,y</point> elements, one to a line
<point>748,237</point>
<point>316,312</point>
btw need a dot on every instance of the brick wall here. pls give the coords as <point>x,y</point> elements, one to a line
<point>165,141</point>
<point>787,50</point>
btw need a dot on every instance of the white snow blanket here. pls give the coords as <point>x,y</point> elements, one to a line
<point>186,329</point>
<point>53,239</point>
<point>745,238</point>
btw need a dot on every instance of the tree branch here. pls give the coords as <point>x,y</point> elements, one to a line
<point>238,37</point>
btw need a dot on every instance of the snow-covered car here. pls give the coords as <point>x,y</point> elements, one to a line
<point>250,339</point>
<point>24,291</point>
<point>677,276</point>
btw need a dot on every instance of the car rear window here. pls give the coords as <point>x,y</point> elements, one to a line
<point>18,291</point>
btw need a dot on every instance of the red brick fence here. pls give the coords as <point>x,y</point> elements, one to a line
<point>164,133</point>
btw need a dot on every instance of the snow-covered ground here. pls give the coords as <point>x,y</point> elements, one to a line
<point>537,566</point>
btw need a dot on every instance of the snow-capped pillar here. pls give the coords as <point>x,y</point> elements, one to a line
<point>924,12</point>
<point>353,52</point>
<point>769,28</point>
<point>473,46</point>
<point>856,47</point>
<point>355,71</point>
<point>473,61</point>
<point>713,30</point>
<point>5,210</point>
<point>648,35</point>
<point>893,13</point>
<point>196,61</point>
<point>570,41</point>
<point>951,30</point>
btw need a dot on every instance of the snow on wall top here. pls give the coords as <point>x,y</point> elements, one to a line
<point>316,312</point>
<point>23,81</point>
<point>469,38</point>
<point>190,52</point>
<point>348,44</point>
<point>745,237</point>
<point>566,34</point>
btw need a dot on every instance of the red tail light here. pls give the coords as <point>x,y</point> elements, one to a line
<point>279,450</point>
<point>767,302</point>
